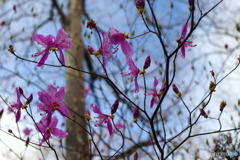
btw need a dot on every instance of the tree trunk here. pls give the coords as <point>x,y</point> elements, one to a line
<point>77,140</point>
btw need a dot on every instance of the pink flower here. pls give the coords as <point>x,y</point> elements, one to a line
<point>18,105</point>
<point>117,37</point>
<point>103,50</point>
<point>155,95</point>
<point>27,131</point>
<point>134,72</point>
<point>52,100</point>
<point>49,129</point>
<point>186,43</point>
<point>50,43</point>
<point>104,118</point>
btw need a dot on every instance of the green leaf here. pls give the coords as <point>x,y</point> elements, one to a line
<point>4,1</point>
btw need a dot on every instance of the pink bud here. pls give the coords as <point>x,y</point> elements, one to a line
<point>203,113</point>
<point>115,106</point>
<point>136,114</point>
<point>30,98</point>
<point>190,2</point>
<point>147,62</point>
<point>136,156</point>
<point>21,91</point>
<point>175,90</point>
<point>140,4</point>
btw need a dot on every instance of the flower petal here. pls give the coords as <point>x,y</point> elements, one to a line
<point>44,58</point>
<point>60,94</point>
<point>59,133</point>
<point>18,115</point>
<point>63,110</point>
<point>62,60</point>
<point>126,49</point>
<point>110,127</point>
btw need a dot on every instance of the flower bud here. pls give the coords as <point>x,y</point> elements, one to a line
<point>115,106</point>
<point>29,100</point>
<point>222,105</point>
<point>21,90</point>
<point>212,86</point>
<point>140,4</point>
<point>91,24</point>
<point>1,113</point>
<point>136,114</point>
<point>11,49</point>
<point>203,113</point>
<point>147,62</point>
<point>136,156</point>
<point>212,73</point>
<point>191,5</point>
<point>175,90</point>
<point>27,141</point>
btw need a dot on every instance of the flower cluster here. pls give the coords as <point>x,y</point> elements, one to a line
<point>186,43</point>
<point>51,101</point>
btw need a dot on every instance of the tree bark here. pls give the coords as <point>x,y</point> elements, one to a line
<point>77,140</point>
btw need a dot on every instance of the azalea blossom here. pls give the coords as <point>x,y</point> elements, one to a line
<point>50,43</point>
<point>49,129</point>
<point>134,72</point>
<point>104,118</point>
<point>155,95</point>
<point>52,100</point>
<point>104,49</point>
<point>18,105</point>
<point>186,43</point>
<point>118,38</point>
